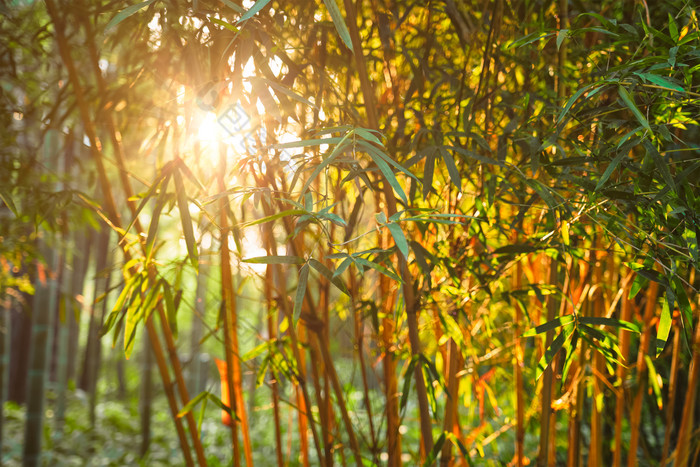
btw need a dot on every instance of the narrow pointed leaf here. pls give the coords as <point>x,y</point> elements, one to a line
<point>259,5</point>
<point>328,274</point>
<point>301,291</point>
<point>399,238</point>
<point>186,219</point>
<point>125,13</point>
<point>629,102</point>
<point>608,172</point>
<point>339,23</point>
<point>274,260</point>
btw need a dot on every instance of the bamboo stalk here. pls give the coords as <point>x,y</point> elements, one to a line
<point>272,335</point>
<point>547,377</point>
<point>595,455</point>
<point>406,277</point>
<point>672,384</point>
<point>625,315</point>
<point>518,364</point>
<point>112,212</point>
<point>686,428</point>
<point>636,414</point>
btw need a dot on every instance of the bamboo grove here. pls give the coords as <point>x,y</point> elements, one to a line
<point>411,233</point>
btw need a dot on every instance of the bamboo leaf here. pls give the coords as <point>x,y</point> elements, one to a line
<point>7,199</point>
<point>193,403</point>
<point>660,81</point>
<point>430,460</point>
<point>274,260</point>
<point>548,326</point>
<point>665,321</point>
<point>399,238</point>
<point>125,13</point>
<point>388,174</point>
<point>629,102</point>
<point>186,219</point>
<point>300,292</point>
<point>170,308</point>
<point>325,272</point>
<point>553,349</point>
<point>660,164</point>
<point>691,240</point>
<point>259,5</point>
<point>451,167</point>
<point>274,217</point>
<point>572,100</point>
<point>339,23</point>
<point>610,322</point>
<point>609,170</point>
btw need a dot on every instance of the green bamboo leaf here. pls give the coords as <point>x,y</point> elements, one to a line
<point>125,13</point>
<point>654,382</point>
<point>672,28</point>
<point>549,325</point>
<point>665,321</point>
<point>368,136</point>
<point>686,310</point>
<point>660,164</point>
<point>274,217</point>
<point>561,35</point>
<point>374,150</point>
<point>256,351</point>
<point>553,349</point>
<point>660,81</point>
<point>259,5</point>
<point>274,260</point>
<point>378,268</point>
<point>691,240</point>
<point>153,226</point>
<point>7,199</point>
<point>572,100</point>
<point>407,377</point>
<point>451,167</point>
<point>399,238</point>
<point>170,308</point>
<point>309,142</point>
<point>224,24</point>
<point>193,403</point>
<point>608,172</point>
<point>610,322</point>
<point>388,174</point>
<point>339,23</point>
<point>629,102</point>
<point>286,91</point>
<point>325,272</point>
<point>437,447</point>
<point>187,229</point>
<point>339,148</point>
<point>343,266</point>
<point>223,406</point>
<point>301,291</point>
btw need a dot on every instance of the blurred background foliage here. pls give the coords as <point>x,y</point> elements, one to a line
<point>404,232</point>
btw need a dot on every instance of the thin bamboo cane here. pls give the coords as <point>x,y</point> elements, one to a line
<point>297,336</point>
<point>636,414</point>
<point>625,315</point>
<point>272,335</point>
<point>227,296</point>
<point>547,378</point>
<point>595,455</point>
<point>359,343</point>
<point>113,216</point>
<point>686,428</point>
<point>409,298</point>
<point>672,383</point>
<point>518,364</point>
